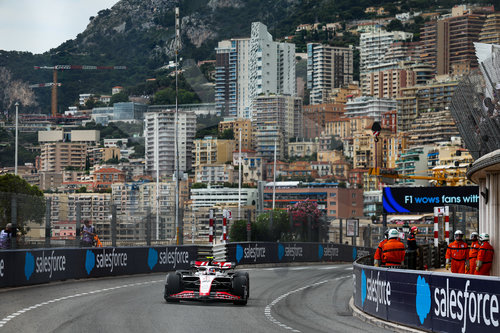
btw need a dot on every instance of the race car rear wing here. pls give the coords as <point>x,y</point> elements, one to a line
<point>220,264</point>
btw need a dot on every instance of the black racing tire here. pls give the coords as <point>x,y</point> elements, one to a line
<point>240,288</point>
<point>172,286</point>
<point>245,274</point>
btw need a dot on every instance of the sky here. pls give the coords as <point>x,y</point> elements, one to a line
<point>39,25</point>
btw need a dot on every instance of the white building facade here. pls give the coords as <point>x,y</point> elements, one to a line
<point>159,132</point>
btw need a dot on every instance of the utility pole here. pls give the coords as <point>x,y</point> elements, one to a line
<point>176,148</point>
<point>239,179</point>
<point>17,138</point>
<point>157,166</point>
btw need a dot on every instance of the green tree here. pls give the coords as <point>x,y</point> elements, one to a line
<point>82,189</point>
<point>118,98</point>
<point>272,226</point>
<point>238,231</point>
<point>395,25</point>
<point>29,200</point>
<point>227,134</point>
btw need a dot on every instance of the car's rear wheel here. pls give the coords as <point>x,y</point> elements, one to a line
<point>172,287</point>
<point>240,288</point>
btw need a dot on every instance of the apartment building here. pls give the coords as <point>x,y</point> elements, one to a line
<point>375,45</point>
<point>210,150</point>
<point>335,202</point>
<point>159,132</point>
<point>490,33</point>
<point>217,195</point>
<point>276,117</point>
<point>57,156</point>
<point>449,41</point>
<point>328,67</point>
<point>316,116</point>
<point>216,174</point>
<point>249,67</point>
<point>387,80</point>
<point>424,98</point>
<point>236,125</point>
<point>271,64</point>
<point>369,107</point>
<point>231,78</point>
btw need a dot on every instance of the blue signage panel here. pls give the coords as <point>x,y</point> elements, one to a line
<point>437,302</point>
<point>25,267</point>
<point>424,199</point>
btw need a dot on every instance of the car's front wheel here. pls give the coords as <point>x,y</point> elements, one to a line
<point>241,289</point>
<point>172,287</point>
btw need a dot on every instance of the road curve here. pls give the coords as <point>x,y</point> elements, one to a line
<point>284,299</point>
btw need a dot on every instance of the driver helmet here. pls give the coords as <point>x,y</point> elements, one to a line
<point>211,271</point>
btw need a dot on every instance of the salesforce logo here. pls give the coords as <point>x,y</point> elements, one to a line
<point>152,258</point>
<point>89,261</point>
<point>239,253</point>
<point>423,299</point>
<point>363,287</point>
<point>29,265</point>
<point>281,251</point>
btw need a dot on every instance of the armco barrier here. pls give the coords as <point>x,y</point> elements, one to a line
<point>262,253</point>
<point>437,302</point>
<point>25,267</point>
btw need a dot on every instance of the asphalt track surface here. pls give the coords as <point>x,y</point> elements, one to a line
<point>282,299</point>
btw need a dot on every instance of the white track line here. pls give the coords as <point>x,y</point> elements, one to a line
<point>267,310</point>
<point>20,312</point>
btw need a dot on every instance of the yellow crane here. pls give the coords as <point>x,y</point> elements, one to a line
<point>440,176</point>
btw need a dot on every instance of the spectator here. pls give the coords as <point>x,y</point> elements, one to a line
<point>6,237</point>
<point>88,233</point>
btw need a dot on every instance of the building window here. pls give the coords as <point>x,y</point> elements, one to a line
<point>333,195</point>
<point>333,211</point>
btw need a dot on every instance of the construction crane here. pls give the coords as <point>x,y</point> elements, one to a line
<point>55,84</point>
<point>440,176</point>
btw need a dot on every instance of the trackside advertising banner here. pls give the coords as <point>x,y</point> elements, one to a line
<point>437,302</point>
<point>24,267</point>
<point>261,252</point>
<point>424,199</point>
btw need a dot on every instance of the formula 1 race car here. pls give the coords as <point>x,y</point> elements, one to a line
<point>208,281</point>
